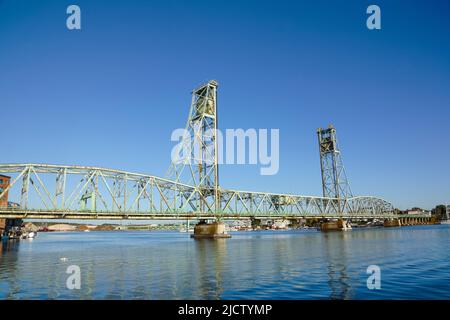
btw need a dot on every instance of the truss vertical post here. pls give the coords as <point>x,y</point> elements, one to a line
<point>25,187</point>
<point>61,186</point>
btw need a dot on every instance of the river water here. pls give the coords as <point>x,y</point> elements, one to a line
<point>301,264</point>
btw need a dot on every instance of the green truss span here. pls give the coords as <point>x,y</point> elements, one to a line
<point>79,192</point>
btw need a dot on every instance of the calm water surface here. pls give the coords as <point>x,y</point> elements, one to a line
<point>414,262</point>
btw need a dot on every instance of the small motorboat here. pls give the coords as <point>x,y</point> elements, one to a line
<point>31,235</point>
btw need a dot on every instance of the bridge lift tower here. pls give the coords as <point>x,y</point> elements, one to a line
<point>197,161</point>
<point>334,180</point>
<point>198,166</point>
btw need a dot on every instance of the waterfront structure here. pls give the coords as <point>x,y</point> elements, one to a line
<point>4,184</point>
<point>191,190</point>
<point>417,211</point>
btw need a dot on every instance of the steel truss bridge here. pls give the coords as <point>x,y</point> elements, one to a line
<point>76,192</point>
<point>45,191</point>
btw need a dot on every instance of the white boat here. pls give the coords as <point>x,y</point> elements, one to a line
<point>186,230</point>
<point>31,235</point>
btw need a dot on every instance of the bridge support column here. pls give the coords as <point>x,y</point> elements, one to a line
<point>392,223</point>
<point>214,230</point>
<point>337,225</point>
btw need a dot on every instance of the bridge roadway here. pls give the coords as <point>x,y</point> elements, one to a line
<point>78,192</point>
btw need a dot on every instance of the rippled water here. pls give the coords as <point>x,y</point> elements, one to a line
<point>414,264</point>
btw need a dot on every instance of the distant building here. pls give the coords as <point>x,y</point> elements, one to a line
<point>4,183</point>
<point>416,211</point>
<point>13,204</point>
<point>62,227</point>
<point>6,224</point>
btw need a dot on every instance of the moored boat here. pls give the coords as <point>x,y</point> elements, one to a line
<point>32,235</point>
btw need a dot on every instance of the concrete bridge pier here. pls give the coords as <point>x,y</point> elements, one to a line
<point>335,225</point>
<point>210,230</point>
<point>392,223</point>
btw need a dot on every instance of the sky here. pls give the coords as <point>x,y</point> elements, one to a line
<point>111,94</point>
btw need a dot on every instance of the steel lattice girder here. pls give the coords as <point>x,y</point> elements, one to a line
<point>74,191</point>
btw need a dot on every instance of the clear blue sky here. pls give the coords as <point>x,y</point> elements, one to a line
<point>110,94</point>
